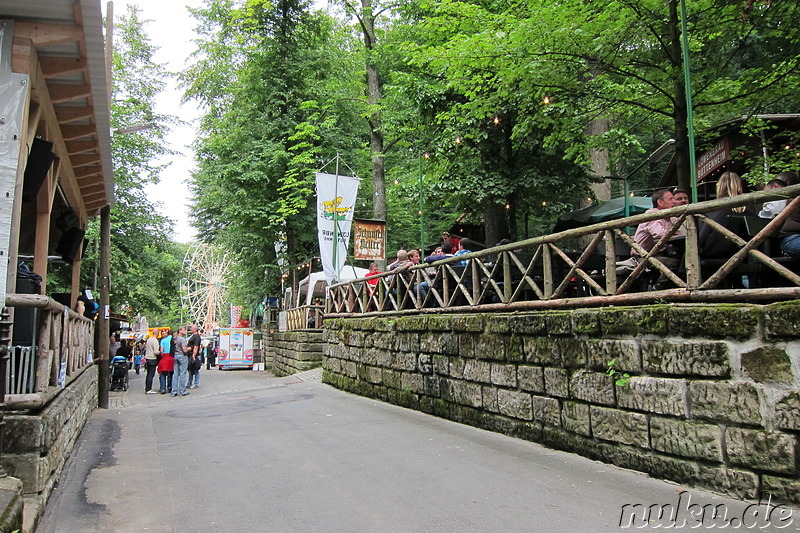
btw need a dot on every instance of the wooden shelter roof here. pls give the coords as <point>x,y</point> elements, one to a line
<point>60,45</point>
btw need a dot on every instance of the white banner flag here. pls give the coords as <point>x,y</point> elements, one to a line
<point>336,200</point>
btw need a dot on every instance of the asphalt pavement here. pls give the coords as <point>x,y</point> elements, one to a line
<point>248,452</point>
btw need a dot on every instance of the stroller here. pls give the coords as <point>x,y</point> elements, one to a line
<point>118,373</point>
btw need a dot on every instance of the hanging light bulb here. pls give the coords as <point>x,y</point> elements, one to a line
<point>496,119</point>
<point>395,181</point>
<point>546,100</point>
<point>458,140</point>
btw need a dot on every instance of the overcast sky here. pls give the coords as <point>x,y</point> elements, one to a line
<point>170,30</point>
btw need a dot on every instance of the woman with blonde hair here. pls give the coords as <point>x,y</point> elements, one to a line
<point>712,243</point>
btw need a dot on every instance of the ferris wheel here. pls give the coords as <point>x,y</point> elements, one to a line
<point>204,288</point>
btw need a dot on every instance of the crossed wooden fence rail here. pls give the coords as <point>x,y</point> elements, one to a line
<point>542,273</point>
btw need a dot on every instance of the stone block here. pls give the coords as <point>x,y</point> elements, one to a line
<point>572,352</point>
<point>412,323</point>
<point>382,340</point>
<point>547,411</point>
<point>531,378</point>
<point>592,387</point>
<point>586,321</point>
<point>515,349</point>
<point>457,365</point>
<point>465,393</point>
<point>731,402</point>
<point>474,323</point>
<point>624,353</point>
<point>425,363</point>
<point>439,324</point>
<point>374,374</point>
<point>438,343</point>
<point>490,347</point>
<point>787,411</point>
<point>406,342</point>
<point>391,378</point>
<point>412,383</point>
<point>634,321</point>
<point>528,324</point>
<point>556,382</point>
<point>768,364</point>
<point>686,358</point>
<point>687,439</point>
<point>739,484</point>
<point>504,375</point>
<point>541,351</point>
<point>654,395</point>
<point>783,489</point>
<point>576,418</point>
<point>762,450</point>
<point>404,361</point>
<point>433,386</point>
<point>558,323</point>
<point>383,358</point>
<point>476,370</point>
<point>497,324</point>
<point>515,404</point>
<point>720,321</point>
<point>619,426</point>
<point>782,320</point>
<point>466,345</point>
<point>441,365</point>
<point>489,394</point>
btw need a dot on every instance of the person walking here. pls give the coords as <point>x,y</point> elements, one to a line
<point>166,367</point>
<point>181,360</point>
<point>152,350</point>
<point>195,357</point>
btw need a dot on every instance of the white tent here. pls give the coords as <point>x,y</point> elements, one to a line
<point>318,283</point>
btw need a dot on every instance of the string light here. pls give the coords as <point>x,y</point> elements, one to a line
<point>426,155</point>
<point>458,140</point>
<point>496,120</point>
<point>546,100</point>
<point>544,203</point>
<point>508,206</point>
<point>395,181</point>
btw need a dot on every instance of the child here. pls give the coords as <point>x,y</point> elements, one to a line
<point>166,366</point>
<point>137,362</point>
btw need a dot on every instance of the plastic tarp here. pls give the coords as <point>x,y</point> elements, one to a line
<point>13,103</point>
<point>318,282</point>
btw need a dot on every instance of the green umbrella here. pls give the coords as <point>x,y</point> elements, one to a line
<point>611,210</point>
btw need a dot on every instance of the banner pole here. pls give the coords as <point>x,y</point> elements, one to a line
<point>336,223</point>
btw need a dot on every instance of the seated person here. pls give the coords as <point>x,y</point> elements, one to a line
<point>649,233</point>
<point>402,259</point>
<point>771,209</point>
<point>373,271</point>
<point>441,252</point>
<point>713,245</point>
<point>790,231</point>
<point>679,197</point>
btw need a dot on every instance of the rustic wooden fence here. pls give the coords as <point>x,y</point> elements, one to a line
<point>63,347</point>
<point>553,271</point>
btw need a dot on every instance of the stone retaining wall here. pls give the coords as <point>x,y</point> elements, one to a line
<point>713,398</point>
<point>37,443</point>
<point>296,351</point>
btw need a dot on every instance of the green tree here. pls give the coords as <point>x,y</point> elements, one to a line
<point>263,75</point>
<point>145,262</point>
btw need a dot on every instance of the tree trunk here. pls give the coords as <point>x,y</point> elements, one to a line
<point>680,112</point>
<point>374,97</point>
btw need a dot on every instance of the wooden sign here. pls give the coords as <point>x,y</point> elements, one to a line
<point>369,239</point>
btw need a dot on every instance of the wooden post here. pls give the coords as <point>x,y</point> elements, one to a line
<point>102,321</point>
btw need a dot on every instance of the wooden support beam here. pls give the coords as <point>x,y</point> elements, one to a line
<point>85,160</point>
<point>87,172</point>
<point>66,114</point>
<point>43,34</point>
<point>92,188</point>
<point>80,147</point>
<point>67,92</point>
<point>55,66</point>
<point>70,133</point>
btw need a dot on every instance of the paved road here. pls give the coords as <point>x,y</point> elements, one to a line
<point>247,452</point>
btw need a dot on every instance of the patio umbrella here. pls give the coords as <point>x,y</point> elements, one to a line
<point>611,210</point>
